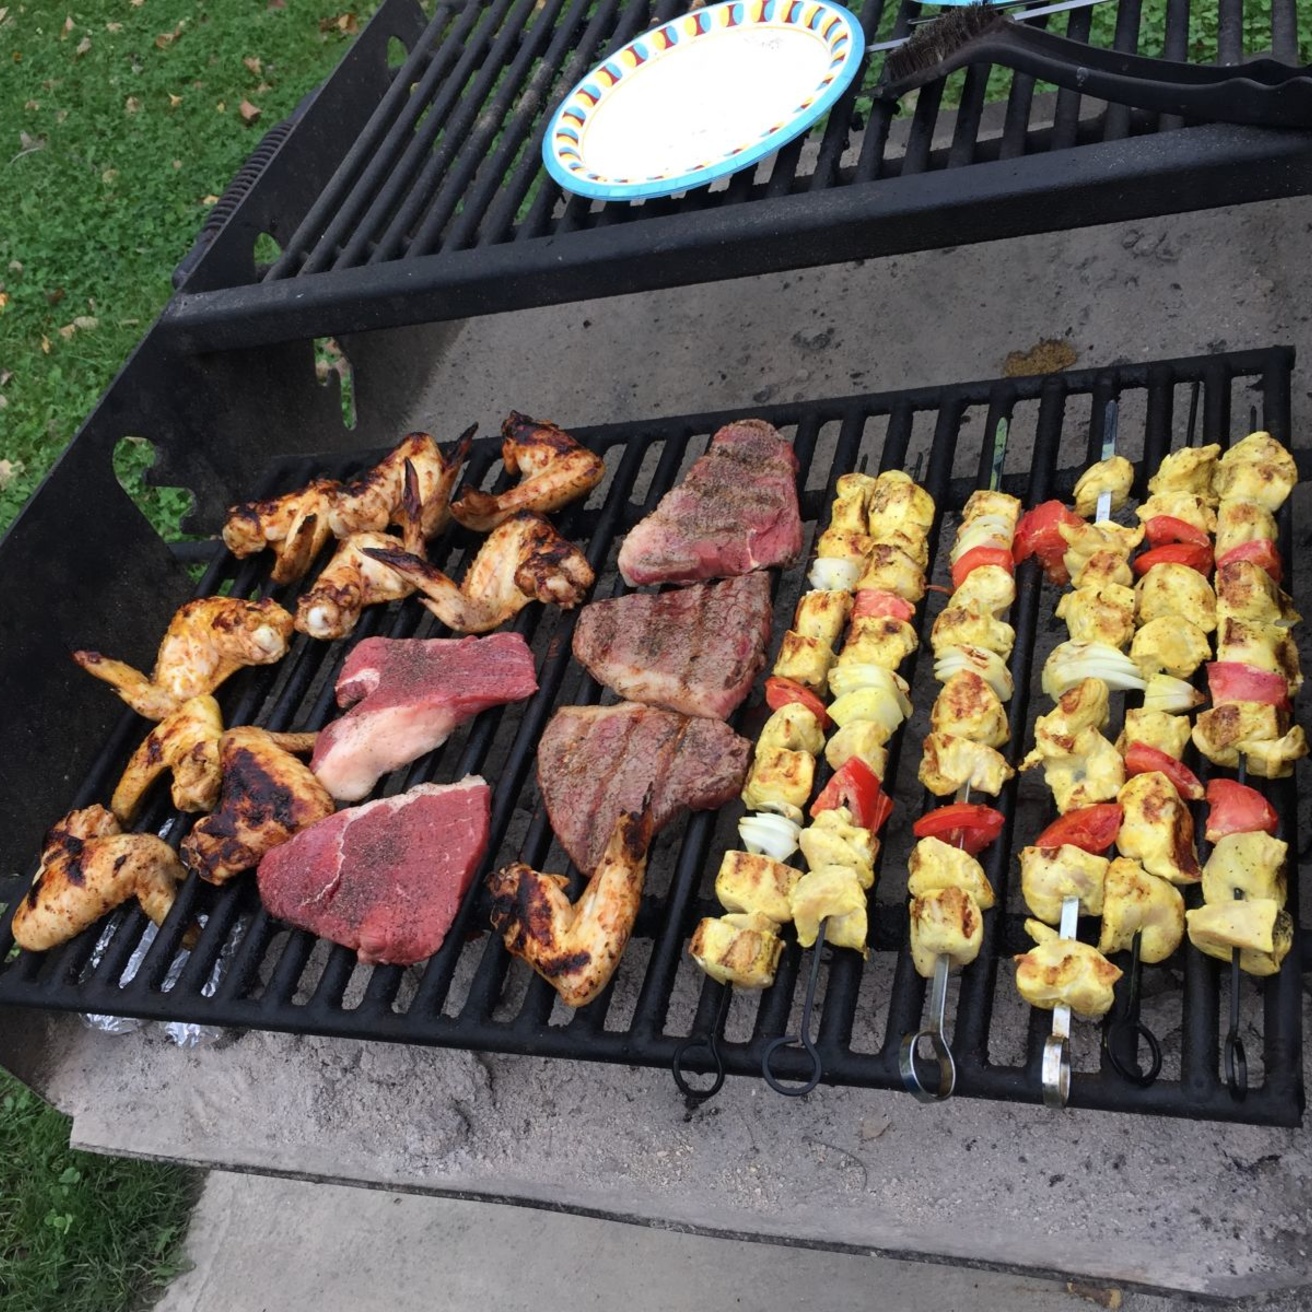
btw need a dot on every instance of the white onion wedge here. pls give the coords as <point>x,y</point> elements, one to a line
<point>978,660</point>
<point>774,836</point>
<point>1073,662</point>
<point>1167,693</point>
<point>833,574</point>
<point>856,676</point>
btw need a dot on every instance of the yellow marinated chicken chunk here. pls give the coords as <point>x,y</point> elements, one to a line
<point>910,540</point>
<point>1187,506</point>
<point>1261,930</point>
<point>1100,570</point>
<point>1167,733</point>
<point>966,658</point>
<point>1087,705</point>
<point>851,502</point>
<point>831,839</point>
<point>934,864</point>
<point>1065,972</point>
<point>1238,522</point>
<point>1113,475</point>
<point>879,640</point>
<point>1135,902</point>
<point>891,569</point>
<point>822,614</point>
<point>898,504</point>
<point>949,763</point>
<point>1245,591</point>
<point>806,660</point>
<point>1175,590</point>
<point>1158,830</point>
<point>988,587</point>
<point>1000,505</point>
<point>1189,469</point>
<point>1222,732</point>
<point>1091,771</point>
<point>738,949</point>
<point>1264,646</point>
<point>1084,541</point>
<point>779,780</point>
<point>967,707</point>
<point>844,544</point>
<point>1171,644</point>
<point>1049,875</point>
<point>1256,469</point>
<point>861,738</point>
<point>831,893</point>
<point>1253,863</point>
<point>756,885</point>
<point>793,727</point>
<point>971,626</point>
<point>1275,759</point>
<point>944,922</point>
<point>1099,613</point>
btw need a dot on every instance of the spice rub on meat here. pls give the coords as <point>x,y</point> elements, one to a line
<point>695,650</point>
<point>735,511</point>
<point>596,762</point>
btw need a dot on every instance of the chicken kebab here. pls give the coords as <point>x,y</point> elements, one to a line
<point>866,580</point>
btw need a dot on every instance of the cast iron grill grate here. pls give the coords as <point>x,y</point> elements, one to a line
<point>471,994</point>
<point>422,181</point>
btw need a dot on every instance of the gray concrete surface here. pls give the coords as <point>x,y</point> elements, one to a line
<point>1140,1203</point>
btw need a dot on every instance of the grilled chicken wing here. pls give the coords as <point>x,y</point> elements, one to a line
<point>267,795</point>
<point>1135,901</point>
<point>296,525</point>
<point>575,947</point>
<point>207,640</point>
<point>88,867</point>
<point>554,469</point>
<point>377,499</point>
<point>738,949</point>
<point>1158,830</point>
<point>522,560</point>
<point>356,577</point>
<point>1063,971</point>
<point>185,742</point>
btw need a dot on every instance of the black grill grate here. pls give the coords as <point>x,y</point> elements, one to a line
<point>471,994</point>
<point>440,206</point>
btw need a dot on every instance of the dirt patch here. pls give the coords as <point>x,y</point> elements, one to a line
<point>1049,356</point>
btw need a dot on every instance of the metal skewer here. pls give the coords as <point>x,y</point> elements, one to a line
<point>1022,17</point>
<point>1236,1060</point>
<point>802,1039</point>
<point>711,1042</point>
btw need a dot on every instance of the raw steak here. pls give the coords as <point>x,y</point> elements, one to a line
<point>694,650</point>
<point>385,878</point>
<point>735,511</point>
<point>407,696</point>
<point>596,761</point>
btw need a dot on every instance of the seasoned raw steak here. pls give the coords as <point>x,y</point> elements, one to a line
<point>407,697</point>
<point>694,649</point>
<point>596,761</point>
<point>385,878</point>
<point>735,511</point>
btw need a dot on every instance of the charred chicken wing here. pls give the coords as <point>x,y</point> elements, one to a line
<point>296,525</point>
<point>185,742</point>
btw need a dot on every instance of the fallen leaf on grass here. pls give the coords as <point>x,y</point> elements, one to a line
<point>83,46</point>
<point>131,105</point>
<point>86,322</point>
<point>32,104</point>
<point>67,331</point>
<point>54,297</point>
<point>249,112</point>
<point>277,4</point>
<point>109,177</point>
<point>9,470</point>
<point>166,39</point>
<point>45,344</point>
<point>211,199</point>
<point>68,27</point>
<point>114,27</point>
<point>253,64</point>
<point>341,23</point>
<point>4,300</point>
<point>174,101</point>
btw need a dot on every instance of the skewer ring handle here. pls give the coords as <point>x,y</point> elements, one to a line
<point>1142,1078</point>
<point>1056,1071</point>
<point>791,1041</point>
<point>1236,1067</point>
<point>947,1067</point>
<point>677,1067</point>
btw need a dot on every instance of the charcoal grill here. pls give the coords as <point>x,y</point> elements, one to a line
<point>115,585</point>
<point>411,189</point>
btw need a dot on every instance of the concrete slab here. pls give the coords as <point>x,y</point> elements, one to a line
<point>1164,1205</point>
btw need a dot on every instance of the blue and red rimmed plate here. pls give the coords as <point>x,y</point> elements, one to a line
<point>702,96</point>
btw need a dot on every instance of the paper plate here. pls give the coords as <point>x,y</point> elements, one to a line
<point>701,96</point>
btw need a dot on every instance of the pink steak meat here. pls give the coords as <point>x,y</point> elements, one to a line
<point>735,511</point>
<point>595,762</point>
<point>694,650</point>
<point>385,878</point>
<point>407,696</point>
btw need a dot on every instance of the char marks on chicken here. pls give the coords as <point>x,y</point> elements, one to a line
<point>596,762</point>
<point>694,650</point>
<point>385,878</point>
<point>407,696</point>
<point>735,511</point>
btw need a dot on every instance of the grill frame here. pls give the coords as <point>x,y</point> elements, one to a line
<point>381,223</point>
<point>59,980</point>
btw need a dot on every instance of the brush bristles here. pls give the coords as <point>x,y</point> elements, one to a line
<point>939,41</point>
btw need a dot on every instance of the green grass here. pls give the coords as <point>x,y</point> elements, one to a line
<point>78,1232</point>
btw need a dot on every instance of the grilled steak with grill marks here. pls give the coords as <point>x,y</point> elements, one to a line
<point>694,650</point>
<point>385,878</point>
<point>595,762</point>
<point>735,511</point>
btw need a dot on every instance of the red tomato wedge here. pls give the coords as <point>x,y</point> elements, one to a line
<point>1234,808</point>
<point>1193,554</point>
<point>1167,528</point>
<point>878,604</point>
<point>967,825</point>
<point>781,692</point>
<point>856,786</point>
<point>1142,759</point>
<point>1038,534</point>
<point>978,556</point>
<point>1093,828</point>
<point>1260,552</point>
<point>1233,681</point>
